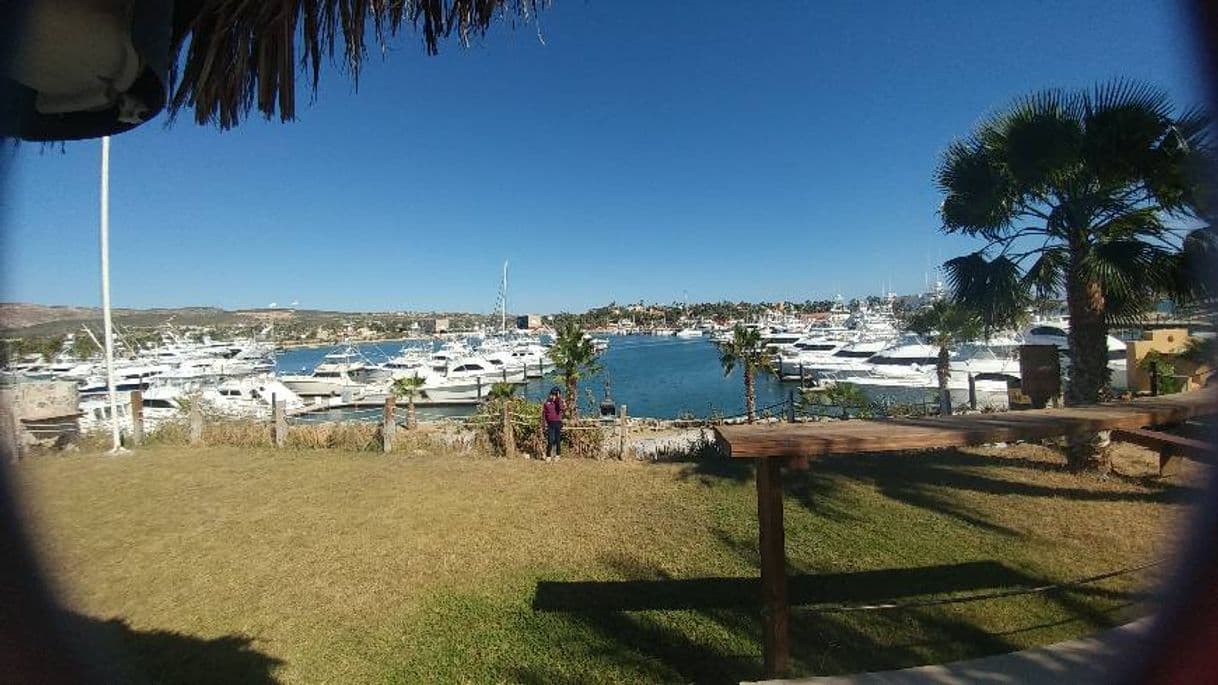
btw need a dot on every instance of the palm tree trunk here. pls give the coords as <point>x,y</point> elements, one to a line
<point>410,421</point>
<point>943,369</point>
<point>750,395</point>
<point>572,403</point>
<point>1088,340</point>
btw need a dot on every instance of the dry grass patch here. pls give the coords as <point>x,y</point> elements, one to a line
<point>348,567</point>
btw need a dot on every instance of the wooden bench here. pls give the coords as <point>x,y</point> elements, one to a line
<point>776,445</point>
<point>1169,446</point>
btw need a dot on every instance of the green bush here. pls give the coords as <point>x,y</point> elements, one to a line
<point>528,432</point>
<point>1157,362</point>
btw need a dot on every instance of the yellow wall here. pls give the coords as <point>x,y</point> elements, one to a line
<point>1164,341</point>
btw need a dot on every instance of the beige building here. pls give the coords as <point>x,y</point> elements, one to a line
<point>435,326</point>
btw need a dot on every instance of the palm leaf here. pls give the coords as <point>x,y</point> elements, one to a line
<point>995,289</point>
<point>978,189</point>
<point>1039,139</point>
<point>242,53</point>
<point>1047,275</point>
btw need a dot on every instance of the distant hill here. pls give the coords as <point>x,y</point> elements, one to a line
<point>24,320</point>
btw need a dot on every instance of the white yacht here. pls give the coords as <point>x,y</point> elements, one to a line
<point>127,377</point>
<point>339,372</point>
<point>160,404</point>
<point>777,341</point>
<point>443,390</point>
<point>250,396</point>
<point>689,333</point>
<point>473,368</point>
<point>534,357</point>
<point>806,353</point>
<point>850,357</point>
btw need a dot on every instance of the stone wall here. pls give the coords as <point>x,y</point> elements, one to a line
<point>38,400</point>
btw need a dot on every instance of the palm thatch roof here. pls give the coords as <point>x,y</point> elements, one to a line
<point>241,54</point>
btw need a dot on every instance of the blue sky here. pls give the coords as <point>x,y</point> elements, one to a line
<point>691,149</point>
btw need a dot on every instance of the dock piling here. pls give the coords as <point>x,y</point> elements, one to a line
<point>388,426</point>
<point>509,434</point>
<point>137,418</point>
<point>621,433</point>
<point>196,422</point>
<point>279,431</point>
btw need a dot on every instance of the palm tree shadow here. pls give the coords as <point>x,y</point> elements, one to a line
<point>927,480</point>
<point>115,652</point>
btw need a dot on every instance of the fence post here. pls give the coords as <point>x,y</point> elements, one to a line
<point>621,433</point>
<point>509,434</point>
<point>972,392</point>
<point>196,422</point>
<point>137,418</point>
<point>388,426</point>
<point>1154,379</point>
<point>280,430</point>
<point>10,434</point>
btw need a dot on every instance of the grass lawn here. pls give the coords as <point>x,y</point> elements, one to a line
<point>230,565</point>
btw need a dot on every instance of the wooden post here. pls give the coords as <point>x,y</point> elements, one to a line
<point>479,388</point>
<point>279,431</point>
<point>509,434</point>
<point>388,426</point>
<point>801,375</point>
<point>196,422</point>
<point>775,628</point>
<point>1154,380</point>
<point>621,433</point>
<point>10,434</point>
<point>972,392</point>
<point>790,406</point>
<point>137,418</point>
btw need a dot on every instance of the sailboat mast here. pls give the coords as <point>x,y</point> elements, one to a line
<point>503,299</point>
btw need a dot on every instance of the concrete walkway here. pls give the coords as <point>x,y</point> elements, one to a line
<point>1079,662</point>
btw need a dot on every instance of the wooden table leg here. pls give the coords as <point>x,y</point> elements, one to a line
<point>776,635</point>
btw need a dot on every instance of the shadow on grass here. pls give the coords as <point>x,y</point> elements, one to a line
<point>708,629</point>
<point>927,479</point>
<point>116,652</point>
<point>728,593</point>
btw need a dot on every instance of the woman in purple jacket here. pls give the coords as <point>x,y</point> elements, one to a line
<point>551,419</point>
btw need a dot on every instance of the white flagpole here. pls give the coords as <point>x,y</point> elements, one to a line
<point>105,293</point>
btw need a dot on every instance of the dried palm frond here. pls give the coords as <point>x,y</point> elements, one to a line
<point>243,53</point>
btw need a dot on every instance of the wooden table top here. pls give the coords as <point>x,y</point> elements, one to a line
<point>894,435</point>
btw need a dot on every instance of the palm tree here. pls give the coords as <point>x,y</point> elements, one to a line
<point>944,324</point>
<point>501,391</point>
<point>574,357</point>
<point>239,55</point>
<point>746,351</point>
<point>1086,192</point>
<point>407,387</point>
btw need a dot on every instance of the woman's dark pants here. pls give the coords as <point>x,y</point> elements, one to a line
<point>554,438</point>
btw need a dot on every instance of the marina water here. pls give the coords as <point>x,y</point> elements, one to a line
<point>660,377</point>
